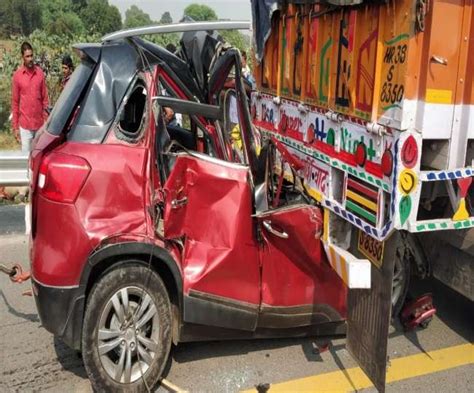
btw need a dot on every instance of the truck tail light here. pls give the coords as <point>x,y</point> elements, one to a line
<point>62,176</point>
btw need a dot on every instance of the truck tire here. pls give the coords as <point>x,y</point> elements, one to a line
<point>400,283</point>
<point>126,335</point>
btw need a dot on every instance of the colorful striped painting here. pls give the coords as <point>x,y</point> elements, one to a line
<point>362,200</point>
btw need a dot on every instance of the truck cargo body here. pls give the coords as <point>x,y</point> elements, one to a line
<point>378,100</point>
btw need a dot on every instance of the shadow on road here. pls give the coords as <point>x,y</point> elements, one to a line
<point>190,352</point>
<point>453,309</point>
<point>70,359</point>
<point>11,310</point>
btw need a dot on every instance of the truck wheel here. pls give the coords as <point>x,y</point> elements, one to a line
<point>401,280</point>
<point>126,336</point>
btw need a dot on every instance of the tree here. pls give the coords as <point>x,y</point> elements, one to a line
<point>100,17</point>
<point>135,17</point>
<point>19,17</point>
<point>236,38</point>
<point>166,18</point>
<point>164,39</point>
<point>78,5</point>
<point>59,18</point>
<point>52,9</point>
<point>68,24</point>
<point>200,12</point>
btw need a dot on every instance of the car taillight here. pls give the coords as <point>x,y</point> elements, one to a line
<point>62,176</point>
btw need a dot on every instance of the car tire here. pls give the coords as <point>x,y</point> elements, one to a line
<point>400,283</point>
<point>130,308</point>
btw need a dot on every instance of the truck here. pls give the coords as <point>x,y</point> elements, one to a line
<point>376,101</point>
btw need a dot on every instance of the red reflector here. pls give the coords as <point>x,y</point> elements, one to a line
<point>62,176</point>
<point>387,163</point>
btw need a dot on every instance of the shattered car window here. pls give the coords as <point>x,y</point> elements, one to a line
<point>63,110</point>
<point>110,82</point>
<point>133,113</point>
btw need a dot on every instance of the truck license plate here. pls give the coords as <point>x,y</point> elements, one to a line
<point>371,248</point>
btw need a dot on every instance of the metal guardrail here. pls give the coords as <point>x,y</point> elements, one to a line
<point>13,168</point>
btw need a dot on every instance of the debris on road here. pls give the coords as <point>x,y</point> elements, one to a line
<point>172,387</point>
<point>262,387</point>
<point>418,312</point>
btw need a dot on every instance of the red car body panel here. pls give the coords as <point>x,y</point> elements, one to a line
<point>220,253</point>
<point>295,271</point>
<point>115,185</point>
<point>61,245</point>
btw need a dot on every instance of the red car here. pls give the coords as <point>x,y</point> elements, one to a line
<point>147,233</point>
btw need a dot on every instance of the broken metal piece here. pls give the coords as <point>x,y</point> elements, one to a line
<point>171,387</point>
<point>321,348</point>
<point>418,312</point>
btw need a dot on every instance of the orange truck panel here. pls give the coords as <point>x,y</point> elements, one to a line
<point>377,93</point>
<point>364,61</point>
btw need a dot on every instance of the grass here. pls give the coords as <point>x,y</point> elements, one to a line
<point>8,141</point>
<point>7,45</point>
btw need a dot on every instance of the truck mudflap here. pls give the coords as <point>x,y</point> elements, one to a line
<point>369,314</point>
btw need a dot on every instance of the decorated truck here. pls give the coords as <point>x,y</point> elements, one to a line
<point>375,99</point>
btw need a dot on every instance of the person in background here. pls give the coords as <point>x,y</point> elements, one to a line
<point>246,73</point>
<point>29,99</point>
<point>68,69</point>
<point>171,118</point>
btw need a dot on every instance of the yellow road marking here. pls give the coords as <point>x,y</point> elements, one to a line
<point>401,368</point>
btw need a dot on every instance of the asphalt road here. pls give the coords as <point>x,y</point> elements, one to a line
<point>12,219</point>
<point>32,360</point>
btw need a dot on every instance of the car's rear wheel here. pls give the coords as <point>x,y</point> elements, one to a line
<point>126,335</point>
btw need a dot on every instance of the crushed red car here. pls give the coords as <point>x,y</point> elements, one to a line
<point>146,234</point>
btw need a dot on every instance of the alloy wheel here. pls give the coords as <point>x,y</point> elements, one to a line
<point>128,334</point>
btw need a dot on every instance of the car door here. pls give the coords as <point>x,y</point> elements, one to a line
<point>208,206</point>
<point>208,212</point>
<point>299,287</point>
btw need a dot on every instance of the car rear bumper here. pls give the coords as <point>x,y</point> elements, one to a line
<point>61,311</point>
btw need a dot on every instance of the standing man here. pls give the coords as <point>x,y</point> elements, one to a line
<point>68,69</point>
<point>29,99</point>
